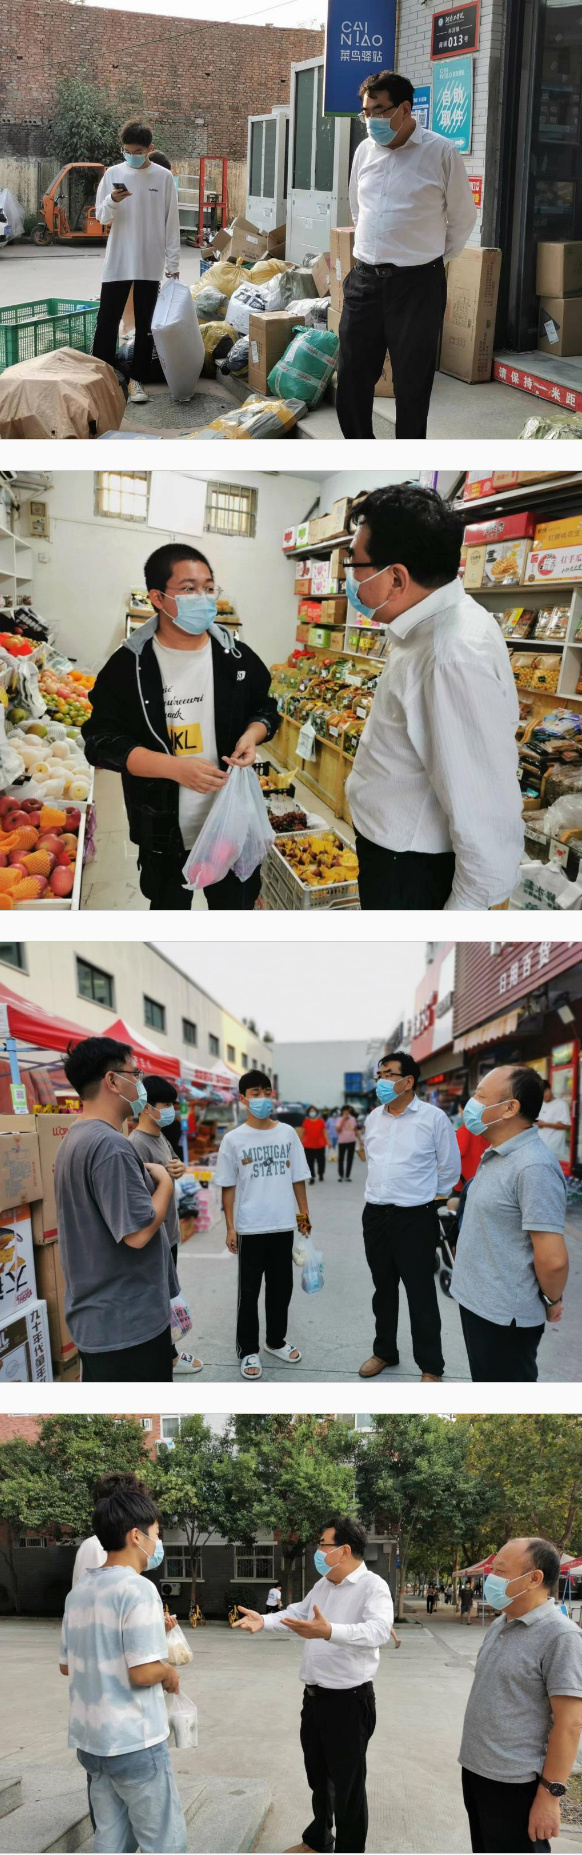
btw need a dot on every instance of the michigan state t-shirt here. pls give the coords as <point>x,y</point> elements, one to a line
<point>188,685</point>
<point>263,1166</point>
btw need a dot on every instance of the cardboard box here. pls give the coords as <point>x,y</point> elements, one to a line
<point>269,336</point>
<point>502,528</point>
<point>319,637</point>
<point>50,1283</point>
<point>559,534</point>
<point>341,250</point>
<point>302,527</point>
<point>320,578</point>
<point>334,611</point>
<point>302,634</point>
<point>217,246</point>
<point>302,585</point>
<point>474,565</point>
<point>17,1280</point>
<point>469,324</point>
<point>24,1347</point>
<point>560,325</point>
<point>559,269</point>
<point>336,292</point>
<point>337,641</point>
<point>338,560</point>
<point>20,1175</point>
<point>546,566</point>
<point>316,526</point>
<point>50,1129</point>
<point>505,564</point>
<point>246,241</point>
<point>311,609</point>
<point>289,539</point>
<point>321,273</point>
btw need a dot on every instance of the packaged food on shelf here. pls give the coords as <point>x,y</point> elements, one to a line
<point>552,623</point>
<point>500,528</point>
<point>517,622</point>
<point>474,568</point>
<point>566,533</point>
<point>505,563</point>
<point>546,564</point>
<point>545,673</point>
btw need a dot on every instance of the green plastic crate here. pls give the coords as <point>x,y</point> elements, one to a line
<point>29,329</point>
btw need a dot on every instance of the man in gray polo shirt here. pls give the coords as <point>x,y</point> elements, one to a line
<point>511,1265</point>
<point>524,1716</point>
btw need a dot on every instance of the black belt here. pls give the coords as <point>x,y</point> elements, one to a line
<point>383,270</point>
<point>316,1687</point>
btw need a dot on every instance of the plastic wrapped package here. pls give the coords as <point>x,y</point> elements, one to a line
<point>65,394</point>
<point>257,418</point>
<point>209,302</point>
<point>553,425</point>
<point>181,1321</point>
<point>564,817</point>
<point>560,780</point>
<point>226,276</point>
<point>183,1718</point>
<point>312,1271</point>
<point>306,367</point>
<point>266,268</point>
<point>237,359</point>
<point>177,1652</point>
<point>247,301</point>
<point>178,339</point>
<point>218,339</point>
<point>236,834</point>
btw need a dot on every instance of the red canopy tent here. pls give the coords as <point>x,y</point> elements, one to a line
<point>154,1061</point>
<point>31,1025</point>
<point>567,1564</point>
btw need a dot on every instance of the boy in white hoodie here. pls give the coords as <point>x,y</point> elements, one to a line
<point>137,200</point>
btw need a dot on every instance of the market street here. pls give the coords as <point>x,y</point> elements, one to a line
<point>331,1348</point>
<point>248,1697</point>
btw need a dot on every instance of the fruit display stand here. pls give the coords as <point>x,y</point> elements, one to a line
<point>73,868</point>
<point>286,887</point>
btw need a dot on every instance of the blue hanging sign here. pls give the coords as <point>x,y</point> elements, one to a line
<point>357,45</point>
<point>421,106</point>
<point>452,103</point>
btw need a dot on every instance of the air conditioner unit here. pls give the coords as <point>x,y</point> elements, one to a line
<point>170,1588</point>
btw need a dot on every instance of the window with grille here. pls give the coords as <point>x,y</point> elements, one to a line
<point>189,1031</point>
<point>122,494</point>
<point>94,984</point>
<point>170,1429</point>
<point>13,953</point>
<point>177,1563</point>
<point>154,1014</point>
<point>254,1562</point>
<point>231,509</point>
<point>146,1423</point>
<point>213,1045</point>
<point>33,1539</point>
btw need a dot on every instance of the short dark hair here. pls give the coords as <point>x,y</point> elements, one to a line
<point>545,1558</point>
<point>528,1089</point>
<point>116,1478</point>
<point>135,131</point>
<point>158,1088</point>
<point>408,1066</point>
<point>160,565</point>
<point>159,159</point>
<point>118,1511</point>
<point>415,526</point>
<point>399,89</point>
<point>348,1532</point>
<point>254,1079</point>
<point>87,1063</point>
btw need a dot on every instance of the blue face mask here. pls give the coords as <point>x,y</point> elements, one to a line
<point>138,1101</point>
<point>380,130</point>
<point>495,1591</point>
<point>366,611</point>
<point>134,160</point>
<point>166,1116</point>
<point>262,1107</point>
<point>320,1562</point>
<point>385,1090</point>
<point>195,612</point>
<point>154,1558</point>
<point>473,1117</point>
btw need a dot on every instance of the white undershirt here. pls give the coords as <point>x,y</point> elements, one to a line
<point>412,204</point>
<point>188,684</point>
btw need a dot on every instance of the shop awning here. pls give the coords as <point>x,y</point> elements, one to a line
<point>488,1033</point>
<point>152,1059</point>
<point>567,1564</point>
<point>22,1019</point>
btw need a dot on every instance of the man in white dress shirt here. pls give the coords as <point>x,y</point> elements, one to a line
<point>344,1620</point>
<point>413,1157</point>
<point>433,792</point>
<point>413,210</point>
<point>554,1124</point>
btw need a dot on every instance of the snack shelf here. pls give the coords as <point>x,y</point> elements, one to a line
<point>565,490</point>
<point>317,547</point>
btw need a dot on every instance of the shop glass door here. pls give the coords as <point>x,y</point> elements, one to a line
<point>563,1079</point>
<point>546,180</point>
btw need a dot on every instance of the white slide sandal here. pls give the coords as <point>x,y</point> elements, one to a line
<point>251,1366</point>
<point>290,1354</point>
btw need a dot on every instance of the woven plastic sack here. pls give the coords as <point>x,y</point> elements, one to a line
<point>236,835</point>
<point>218,337</point>
<point>247,301</point>
<point>266,268</point>
<point>209,304</point>
<point>226,277</point>
<point>183,1718</point>
<point>177,337</point>
<point>306,367</point>
<point>312,1271</point>
<point>177,1652</point>
<point>256,418</point>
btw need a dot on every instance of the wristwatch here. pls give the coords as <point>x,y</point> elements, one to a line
<point>555,1790</point>
<point>550,1304</point>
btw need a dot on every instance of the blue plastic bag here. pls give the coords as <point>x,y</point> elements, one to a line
<point>312,1272</point>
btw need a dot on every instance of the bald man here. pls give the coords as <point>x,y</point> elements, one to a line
<point>511,1265</point>
<point>524,1716</point>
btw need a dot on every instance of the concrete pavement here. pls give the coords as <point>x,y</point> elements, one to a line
<point>334,1330</point>
<point>248,1695</point>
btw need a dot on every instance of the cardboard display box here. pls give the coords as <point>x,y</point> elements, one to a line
<point>474,565</point>
<point>20,1174</point>
<point>302,585</point>
<point>503,528</point>
<point>505,564</point>
<point>469,324</point>
<point>560,325</point>
<point>548,565</point>
<point>559,269</point>
<point>50,1284</point>
<point>24,1347</point>
<point>17,1280</point>
<point>334,611</point>
<point>269,336</point>
<point>477,484</point>
<point>567,533</point>
<point>50,1129</point>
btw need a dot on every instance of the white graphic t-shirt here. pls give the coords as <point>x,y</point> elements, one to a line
<point>264,1166</point>
<point>188,684</point>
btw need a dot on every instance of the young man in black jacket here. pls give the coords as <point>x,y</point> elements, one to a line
<point>173,708</point>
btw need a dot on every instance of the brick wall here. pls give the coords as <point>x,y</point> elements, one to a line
<point>184,69</point>
<point>413,61</point>
<point>25,1428</point>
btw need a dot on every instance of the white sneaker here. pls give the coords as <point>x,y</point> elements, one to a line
<point>185,1364</point>
<point>136,394</point>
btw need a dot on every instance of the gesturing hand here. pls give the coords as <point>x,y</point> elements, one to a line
<point>249,1620</point>
<point>315,1626</point>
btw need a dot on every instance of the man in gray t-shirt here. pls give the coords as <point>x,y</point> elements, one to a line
<point>110,1217</point>
<point>152,1144</point>
<point>524,1715</point>
<point>511,1265</point>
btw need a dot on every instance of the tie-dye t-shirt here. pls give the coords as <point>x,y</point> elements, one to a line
<point>113,1621</point>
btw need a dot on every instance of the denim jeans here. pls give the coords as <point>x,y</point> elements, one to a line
<point>136,1803</point>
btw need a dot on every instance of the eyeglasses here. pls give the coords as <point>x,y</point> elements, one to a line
<point>136,1075</point>
<point>366,115</point>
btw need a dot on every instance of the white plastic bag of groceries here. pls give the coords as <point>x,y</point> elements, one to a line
<point>177,1651</point>
<point>178,340</point>
<point>183,1718</point>
<point>312,1273</point>
<point>236,834</point>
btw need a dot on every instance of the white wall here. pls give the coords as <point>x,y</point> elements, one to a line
<point>91,562</point>
<point>350,482</point>
<point>315,1071</point>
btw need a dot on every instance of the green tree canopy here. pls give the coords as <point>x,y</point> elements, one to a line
<point>288,1475</point>
<point>47,1486</point>
<point>186,1483</point>
<point>532,1466</point>
<point>86,120</point>
<point>415,1484</point>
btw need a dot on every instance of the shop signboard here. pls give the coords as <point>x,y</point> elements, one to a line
<point>493,976</point>
<point>455,31</point>
<point>421,105</point>
<point>452,108</point>
<point>356,44</point>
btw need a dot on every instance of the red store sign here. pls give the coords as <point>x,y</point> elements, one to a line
<point>490,977</point>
